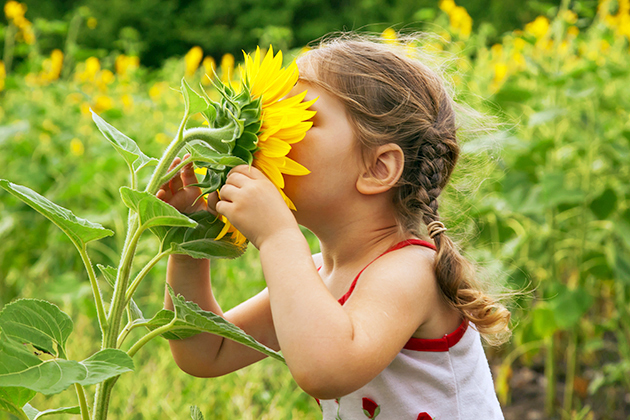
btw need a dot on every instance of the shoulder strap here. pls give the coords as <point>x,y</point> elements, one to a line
<point>399,245</point>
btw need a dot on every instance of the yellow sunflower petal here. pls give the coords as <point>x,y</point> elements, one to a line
<point>291,167</point>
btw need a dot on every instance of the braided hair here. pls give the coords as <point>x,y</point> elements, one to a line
<point>392,98</point>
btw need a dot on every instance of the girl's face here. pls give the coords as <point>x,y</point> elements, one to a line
<point>332,154</point>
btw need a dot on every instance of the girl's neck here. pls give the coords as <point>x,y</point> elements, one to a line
<point>357,244</point>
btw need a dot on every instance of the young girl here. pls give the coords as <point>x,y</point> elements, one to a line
<point>381,322</point>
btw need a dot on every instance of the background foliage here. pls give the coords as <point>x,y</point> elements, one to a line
<point>543,205</point>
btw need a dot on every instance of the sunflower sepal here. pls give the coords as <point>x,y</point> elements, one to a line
<point>193,102</point>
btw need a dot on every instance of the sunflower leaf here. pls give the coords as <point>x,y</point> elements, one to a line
<point>127,148</point>
<point>199,242</point>
<point>194,102</point>
<point>12,399</point>
<point>201,152</point>
<point>153,211</point>
<point>35,414</point>
<point>190,317</point>
<point>20,367</point>
<point>37,322</point>
<point>80,231</point>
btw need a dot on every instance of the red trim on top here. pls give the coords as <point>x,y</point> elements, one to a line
<point>438,344</point>
<point>399,245</point>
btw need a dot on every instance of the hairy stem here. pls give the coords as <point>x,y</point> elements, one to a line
<point>85,413</point>
<point>151,335</point>
<point>136,282</point>
<point>98,299</point>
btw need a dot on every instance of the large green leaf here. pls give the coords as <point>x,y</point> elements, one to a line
<point>202,152</point>
<point>199,242</point>
<point>20,367</point>
<point>569,306</point>
<point>80,231</point>
<point>34,414</point>
<point>37,322</point>
<point>127,148</point>
<point>190,318</point>
<point>12,399</point>
<point>106,364</point>
<point>153,211</point>
<point>194,102</point>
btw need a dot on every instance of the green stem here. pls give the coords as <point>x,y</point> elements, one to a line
<point>174,171</point>
<point>136,282</point>
<point>570,377</point>
<point>550,376</point>
<point>125,332</point>
<point>98,299</point>
<point>85,413</point>
<point>169,154</point>
<point>9,47</point>
<point>151,335</point>
<point>118,300</point>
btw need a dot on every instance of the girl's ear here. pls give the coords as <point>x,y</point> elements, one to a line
<point>384,172</point>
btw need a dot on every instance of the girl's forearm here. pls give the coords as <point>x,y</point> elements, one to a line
<point>312,328</point>
<point>190,278</point>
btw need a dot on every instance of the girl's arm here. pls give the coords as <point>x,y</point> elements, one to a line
<point>331,350</point>
<point>206,354</point>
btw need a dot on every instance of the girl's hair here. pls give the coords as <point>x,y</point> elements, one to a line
<point>391,97</point>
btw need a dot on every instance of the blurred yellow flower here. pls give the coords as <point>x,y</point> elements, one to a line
<point>227,68</point>
<point>92,22</point>
<point>3,75</point>
<point>497,51</point>
<point>51,67</point>
<point>389,36</point>
<point>192,60</point>
<point>127,101</point>
<point>157,90</point>
<point>126,64</point>
<point>76,147</point>
<point>209,68</point>
<point>573,32</point>
<point>447,5</point>
<point>13,9</point>
<point>569,16</point>
<point>519,44</point>
<point>538,28</point>
<point>103,103</point>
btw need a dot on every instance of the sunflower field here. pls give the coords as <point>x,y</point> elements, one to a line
<point>541,203</point>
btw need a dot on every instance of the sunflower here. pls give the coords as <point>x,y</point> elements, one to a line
<point>284,121</point>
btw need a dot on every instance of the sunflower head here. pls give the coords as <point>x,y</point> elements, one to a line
<point>258,122</point>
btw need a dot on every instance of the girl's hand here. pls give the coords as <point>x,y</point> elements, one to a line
<point>253,205</point>
<point>179,193</point>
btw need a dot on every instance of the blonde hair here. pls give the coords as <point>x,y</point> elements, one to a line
<point>391,97</point>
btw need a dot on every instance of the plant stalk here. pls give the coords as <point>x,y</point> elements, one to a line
<point>550,376</point>
<point>98,299</point>
<point>570,377</point>
<point>149,336</point>
<point>85,412</point>
<point>136,281</point>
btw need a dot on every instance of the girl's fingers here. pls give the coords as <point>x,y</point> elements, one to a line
<point>237,179</point>
<point>188,175</point>
<point>164,194</point>
<point>212,200</point>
